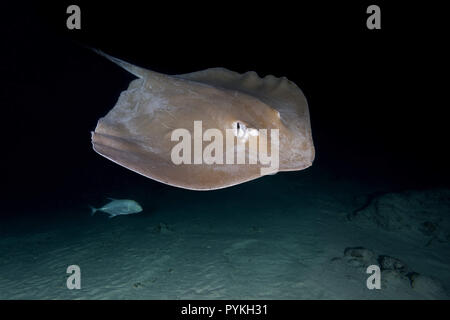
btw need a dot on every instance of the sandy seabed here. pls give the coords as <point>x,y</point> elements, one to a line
<point>246,243</point>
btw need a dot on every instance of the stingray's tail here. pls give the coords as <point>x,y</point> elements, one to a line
<point>93,210</point>
<point>131,68</point>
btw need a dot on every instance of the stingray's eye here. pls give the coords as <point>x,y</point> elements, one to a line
<point>242,131</point>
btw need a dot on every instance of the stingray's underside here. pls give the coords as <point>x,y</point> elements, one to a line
<point>136,133</point>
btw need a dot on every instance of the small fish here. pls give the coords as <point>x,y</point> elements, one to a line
<point>118,207</point>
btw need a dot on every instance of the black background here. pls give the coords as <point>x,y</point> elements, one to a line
<point>376,97</point>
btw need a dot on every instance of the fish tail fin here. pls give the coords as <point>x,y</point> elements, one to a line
<point>137,71</point>
<point>93,210</point>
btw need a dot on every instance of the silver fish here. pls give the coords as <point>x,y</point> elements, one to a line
<point>118,207</point>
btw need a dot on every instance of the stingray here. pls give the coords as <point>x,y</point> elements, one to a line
<point>137,132</point>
